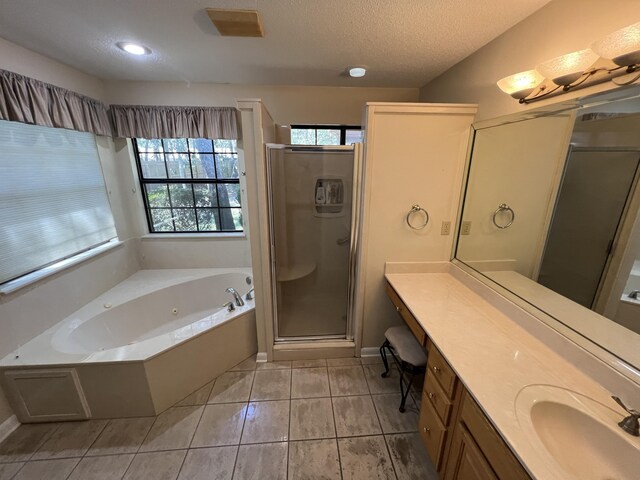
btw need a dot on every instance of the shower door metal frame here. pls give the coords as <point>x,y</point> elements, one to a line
<point>353,244</point>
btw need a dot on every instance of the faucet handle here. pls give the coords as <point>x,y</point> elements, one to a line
<point>229,306</point>
<point>627,409</point>
<point>250,294</point>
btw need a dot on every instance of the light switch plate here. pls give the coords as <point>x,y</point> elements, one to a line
<point>446,228</point>
<point>466,228</point>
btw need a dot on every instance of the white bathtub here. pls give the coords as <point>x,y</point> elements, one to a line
<point>164,329</point>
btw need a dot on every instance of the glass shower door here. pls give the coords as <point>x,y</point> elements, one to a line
<point>310,195</point>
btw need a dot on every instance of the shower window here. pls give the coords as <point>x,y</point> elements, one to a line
<point>189,184</point>
<point>325,134</point>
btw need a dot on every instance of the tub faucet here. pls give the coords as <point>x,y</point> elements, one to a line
<point>630,424</point>
<point>250,294</point>
<point>634,294</point>
<point>236,296</point>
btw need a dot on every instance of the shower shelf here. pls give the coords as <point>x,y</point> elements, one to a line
<point>295,272</point>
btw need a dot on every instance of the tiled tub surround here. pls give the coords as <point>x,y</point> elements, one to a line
<point>136,349</point>
<point>496,357</point>
<point>282,420</point>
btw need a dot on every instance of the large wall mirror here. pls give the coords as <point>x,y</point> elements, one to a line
<point>551,213</point>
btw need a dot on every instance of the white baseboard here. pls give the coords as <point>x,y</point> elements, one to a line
<point>370,351</point>
<point>261,357</point>
<point>8,426</point>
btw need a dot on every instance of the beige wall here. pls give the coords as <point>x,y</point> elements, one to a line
<point>413,154</point>
<point>562,26</point>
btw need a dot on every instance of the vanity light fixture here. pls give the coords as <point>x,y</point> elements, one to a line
<point>357,72</point>
<point>573,70</point>
<point>133,48</point>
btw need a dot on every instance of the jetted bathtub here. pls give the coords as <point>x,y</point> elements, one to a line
<point>136,349</point>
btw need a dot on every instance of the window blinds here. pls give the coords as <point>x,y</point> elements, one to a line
<point>53,202</point>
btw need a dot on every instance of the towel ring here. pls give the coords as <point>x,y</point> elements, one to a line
<point>503,207</point>
<point>415,209</point>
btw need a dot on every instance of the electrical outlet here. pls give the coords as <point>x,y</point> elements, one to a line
<point>446,228</point>
<point>466,228</point>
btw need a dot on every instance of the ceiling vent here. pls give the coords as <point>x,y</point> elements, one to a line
<point>236,23</point>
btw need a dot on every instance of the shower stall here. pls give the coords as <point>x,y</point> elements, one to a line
<point>313,194</point>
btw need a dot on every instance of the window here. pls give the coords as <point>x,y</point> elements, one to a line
<point>53,201</point>
<point>189,184</point>
<point>325,134</point>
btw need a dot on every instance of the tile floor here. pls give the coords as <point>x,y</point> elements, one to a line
<point>311,419</point>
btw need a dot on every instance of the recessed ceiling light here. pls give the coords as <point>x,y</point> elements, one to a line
<point>357,72</point>
<point>133,48</point>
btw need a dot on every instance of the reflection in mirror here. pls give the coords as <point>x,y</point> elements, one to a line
<point>551,213</point>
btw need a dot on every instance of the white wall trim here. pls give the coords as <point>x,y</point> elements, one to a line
<point>370,351</point>
<point>261,357</point>
<point>8,427</point>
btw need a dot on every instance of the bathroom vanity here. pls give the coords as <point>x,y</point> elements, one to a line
<point>494,389</point>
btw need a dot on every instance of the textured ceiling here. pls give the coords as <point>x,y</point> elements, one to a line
<point>403,43</point>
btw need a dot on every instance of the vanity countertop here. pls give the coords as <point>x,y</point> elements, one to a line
<point>493,356</point>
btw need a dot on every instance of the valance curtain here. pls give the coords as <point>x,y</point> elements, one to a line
<point>141,121</point>
<point>26,100</point>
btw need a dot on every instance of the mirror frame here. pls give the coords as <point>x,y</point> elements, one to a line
<point>581,339</point>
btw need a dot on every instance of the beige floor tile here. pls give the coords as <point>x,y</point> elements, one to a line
<point>391,420</point>
<point>271,385</point>
<point>274,365</point>
<point>122,435</point>
<point>265,461</point>
<point>410,457</point>
<point>220,425</point>
<point>209,464</point>
<point>266,422</point>
<point>309,382</point>
<point>365,458</point>
<point>377,384</point>
<point>311,418</point>
<point>309,363</point>
<point>314,460</point>
<point>232,387</point>
<point>347,381</point>
<point>111,467</point>
<point>71,439</point>
<point>199,397</point>
<point>371,360</point>
<point>8,470</point>
<point>47,469</point>
<point>248,364</point>
<point>156,465</point>
<point>355,416</point>
<point>343,362</point>
<point>25,441</point>
<point>173,429</point>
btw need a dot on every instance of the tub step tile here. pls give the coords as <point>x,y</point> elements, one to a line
<point>220,425</point>
<point>309,383</point>
<point>209,464</point>
<point>111,467</point>
<point>271,385</point>
<point>156,466</point>
<point>173,429</point>
<point>71,439</point>
<point>267,460</point>
<point>122,435</point>
<point>232,387</point>
<point>266,422</point>
<point>199,397</point>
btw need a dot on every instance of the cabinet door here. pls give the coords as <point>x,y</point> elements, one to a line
<point>466,461</point>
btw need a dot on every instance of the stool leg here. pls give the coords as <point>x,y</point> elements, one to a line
<point>403,392</point>
<point>383,354</point>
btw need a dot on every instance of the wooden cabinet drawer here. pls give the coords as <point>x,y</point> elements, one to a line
<point>441,371</point>
<point>433,433</point>
<point>503,462</point>
<point>409,319</point>
<point>432,393</point>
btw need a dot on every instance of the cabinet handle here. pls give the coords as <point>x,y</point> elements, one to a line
<point>398,308</point>
<point>436,369</point>
<point>426,429</point>
<point>430,395</point>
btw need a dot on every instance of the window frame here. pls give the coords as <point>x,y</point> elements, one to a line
<point>342,128</point>
<point>192,181</point>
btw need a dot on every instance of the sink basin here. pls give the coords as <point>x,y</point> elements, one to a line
<point>578,436</point>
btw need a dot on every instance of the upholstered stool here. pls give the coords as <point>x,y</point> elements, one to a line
<point>408,355</point>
